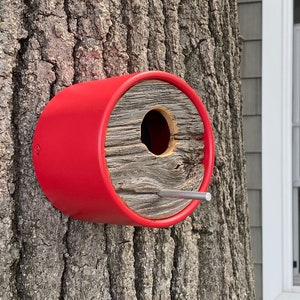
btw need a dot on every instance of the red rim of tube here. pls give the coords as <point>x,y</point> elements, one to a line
<point>208,138</point>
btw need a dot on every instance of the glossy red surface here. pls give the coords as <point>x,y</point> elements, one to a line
<point>69,154</point>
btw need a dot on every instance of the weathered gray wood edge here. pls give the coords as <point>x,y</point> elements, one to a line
<point>136,173</point>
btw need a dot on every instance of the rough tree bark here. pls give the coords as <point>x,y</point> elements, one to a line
<point>46,45</point>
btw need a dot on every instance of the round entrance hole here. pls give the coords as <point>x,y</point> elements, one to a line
<point>157,131</point>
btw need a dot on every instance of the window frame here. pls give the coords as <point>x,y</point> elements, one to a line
<point>296,148</point>
<point>277,56</point>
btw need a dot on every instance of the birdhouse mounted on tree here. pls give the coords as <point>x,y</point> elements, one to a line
<point>125,150</point>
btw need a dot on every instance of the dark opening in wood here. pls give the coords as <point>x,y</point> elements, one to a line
<point>156,133</point>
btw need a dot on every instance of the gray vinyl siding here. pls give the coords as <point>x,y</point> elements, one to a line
<point>250,18</point>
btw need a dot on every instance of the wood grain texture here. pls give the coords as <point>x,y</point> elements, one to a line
<point>47,45</point>
<point>136,173</point>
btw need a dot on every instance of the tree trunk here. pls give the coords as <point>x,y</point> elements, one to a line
<point>47,45</point>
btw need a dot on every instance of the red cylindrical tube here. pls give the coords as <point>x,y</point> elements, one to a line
<point>69,150</point>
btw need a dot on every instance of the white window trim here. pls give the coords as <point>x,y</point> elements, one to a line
<point>277,150</point>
